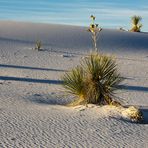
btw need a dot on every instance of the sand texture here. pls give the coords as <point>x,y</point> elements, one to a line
<point>32,111</point>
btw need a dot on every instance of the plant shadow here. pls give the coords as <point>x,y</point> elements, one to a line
<point>133,88</point>
<point>145,115</point>
<point>65,52</point>
<point>6,78</point>
<point>48,99</point>
<point>29,68</point>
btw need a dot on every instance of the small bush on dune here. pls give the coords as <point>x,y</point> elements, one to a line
<point>133,113</point>
<point>93,81</point>
<point>136,26</point>
<point>38,45</point>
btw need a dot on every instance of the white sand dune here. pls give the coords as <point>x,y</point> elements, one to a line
<point>32,111</point>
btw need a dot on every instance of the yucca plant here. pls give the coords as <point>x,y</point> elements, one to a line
<point>93,81</point>
<point>136,26</point>
<point>94,29</point>
<point>38,45</point>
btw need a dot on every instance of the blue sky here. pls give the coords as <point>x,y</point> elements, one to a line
<point>109,13</point>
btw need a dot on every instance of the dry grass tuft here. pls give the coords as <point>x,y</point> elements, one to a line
<point>38,45</point>
<point>133,113</point>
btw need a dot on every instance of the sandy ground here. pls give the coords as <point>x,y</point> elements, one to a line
<point>32,111</point>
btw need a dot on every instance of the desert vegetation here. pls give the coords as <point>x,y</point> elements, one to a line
<point>94,80</point>
<point>133,113</point>
<point>94,29</point>
<point>136,26</point>
<point>38,45</point>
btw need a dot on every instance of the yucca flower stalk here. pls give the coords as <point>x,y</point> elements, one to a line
<point>136,26</point>
<point>94,30</point>
<point>93,81</point>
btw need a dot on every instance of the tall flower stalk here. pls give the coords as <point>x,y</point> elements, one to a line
<point>94,29</point>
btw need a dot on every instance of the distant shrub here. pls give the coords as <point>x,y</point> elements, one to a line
<point>136,26</point>
<point>93,81</point>
<point>38,45</point>
<point>94,29</point>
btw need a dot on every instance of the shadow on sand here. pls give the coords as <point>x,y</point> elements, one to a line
<point>48,99</point>
<point>30,80</point>
<point>134,88</point>
<point>30,68</point>
<point>145,115</point>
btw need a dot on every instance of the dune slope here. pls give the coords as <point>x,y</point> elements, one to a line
<point>32,111</point>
